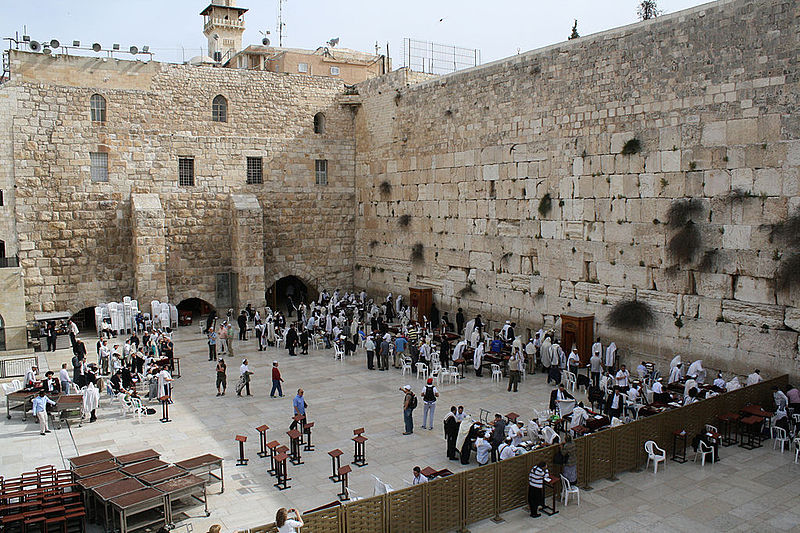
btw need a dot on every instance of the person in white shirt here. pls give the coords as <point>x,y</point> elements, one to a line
<point>63,377</point>
<point>658,392</point>
<point>597,348</point>
<point>483,447</point>
<point>719,382</point>
<point>105,356</point>
<point>622,377</point>
<point>164,386</point>
<point>675,373</point>
<point>530,356</point>
<point>419,478</point>
<point>507,449</point>
<point>611,354</point>
<point>369,347</point>
<point>460,415</point>
<point>595,368</point>
<point>641,370</point>
<point>754,378</point>
<point>286,524</point>
<point>30,377</point>
<point>573,361</point>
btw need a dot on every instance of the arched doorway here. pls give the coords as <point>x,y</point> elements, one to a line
<point>192,309</point>
<point>85,320</point>
<point>288,287</point>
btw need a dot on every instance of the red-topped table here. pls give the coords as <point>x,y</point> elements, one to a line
<point>335,464</point>
<point>144,467</point>
<point>147,505</point>
<point>175,490</point>
<point>90,458</point>
<point>137,457</point>
<point>96,468</point>
<point>164,474</point>
<point>204,465</point>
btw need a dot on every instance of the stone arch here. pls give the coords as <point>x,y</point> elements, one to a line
<point>179,296</point>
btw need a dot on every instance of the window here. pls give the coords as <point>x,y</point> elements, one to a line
<point>99,166</point>
<point>97,105</point>
<point>319,123</point>
<point>219,109</point>
<point>186,171</point>
<point>334,71</point>
<point>1,198</point>
<point>321,168</point>
<point>302,67</point>
<point>255,171</point>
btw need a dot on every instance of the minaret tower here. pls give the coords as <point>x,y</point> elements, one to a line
<point>223,26</point>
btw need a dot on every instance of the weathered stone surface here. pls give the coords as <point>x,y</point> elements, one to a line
<point>752,314</point>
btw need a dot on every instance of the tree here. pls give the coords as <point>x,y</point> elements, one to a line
<point>574,34</point>
<point>648,10</point>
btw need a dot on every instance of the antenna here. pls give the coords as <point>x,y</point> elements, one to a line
<point>280,22</point>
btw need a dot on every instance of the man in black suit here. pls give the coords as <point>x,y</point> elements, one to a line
<point>559,393</point>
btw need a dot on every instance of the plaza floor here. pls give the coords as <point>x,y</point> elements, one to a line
<point>744,491</point>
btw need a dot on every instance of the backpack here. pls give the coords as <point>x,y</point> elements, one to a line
<point>428,395</point>
<point>412,403</point>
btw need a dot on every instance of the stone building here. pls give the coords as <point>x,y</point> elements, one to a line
<point>656,162</point>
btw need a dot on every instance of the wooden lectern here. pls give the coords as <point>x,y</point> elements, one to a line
<point>578,329</point>
<point>420,302</point>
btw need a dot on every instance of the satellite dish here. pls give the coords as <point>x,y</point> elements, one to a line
<point>34,46</point>
<point>133,50</point>
<point>265,41</point>
<point>47,51</point>
<point>54,43</point>
<point>96,47</point>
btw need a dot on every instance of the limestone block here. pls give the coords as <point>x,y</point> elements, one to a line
<point>566,289</point>
<point>713,285</point>
<point>792,318</point>
<point>717,182</point>
<point>736,237</point>
<point>670,161</point>
<point>766,341</point>
<point>752,314</point>
<point>742,131</point>
<point>756,290</point>
<point>481,261</point>
<point>491,172</point>
<point>714,134</point>
<point>590,292</point>
<point>660,302</point>
<point>767,182</point>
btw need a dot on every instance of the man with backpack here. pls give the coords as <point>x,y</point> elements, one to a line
<point>409,404</point>
<point>429,395</point>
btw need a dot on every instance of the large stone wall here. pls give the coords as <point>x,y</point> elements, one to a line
<point>76,240</point>
<point>711,93</point>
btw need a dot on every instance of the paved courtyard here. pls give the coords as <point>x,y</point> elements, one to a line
<point>744,491</point>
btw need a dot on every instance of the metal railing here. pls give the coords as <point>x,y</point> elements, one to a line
<point>10,368</point>
<point>434,58</point>
<point>454,502</point>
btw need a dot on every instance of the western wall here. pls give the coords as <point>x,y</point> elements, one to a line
<point>453,177</point>
<point>540,184</point>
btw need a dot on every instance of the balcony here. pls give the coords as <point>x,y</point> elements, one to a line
<point>224,23</point>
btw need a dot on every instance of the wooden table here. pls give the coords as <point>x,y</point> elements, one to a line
<point>679,436</point>
<point>750,432</point>
<point>21,400</point>
<point>68,407</point>
<point>164,474</point>
<point>101,479</point>
<point>137,457</point>
<point>176,489</point>
<point>756,410</point>
<point>149,502</point>
<point>335,464</point>
<point>204,465</point>
<point>105,493</point>
<point>90,458</point>
<point>96,468</point>
<point>728,428</point>
<point>144,467</point>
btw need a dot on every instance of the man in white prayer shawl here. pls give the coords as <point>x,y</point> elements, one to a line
<point>477,359</point>
<point>458,351</point>
<point>544,352</point>
<point>611,355</point>
<point>468,327</point>
<point>91,401</point>
<point>696,369</point>
<point>675,373</point>
<point>475,338</point>
<point>504,331</point>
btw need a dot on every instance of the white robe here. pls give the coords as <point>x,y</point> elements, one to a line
<point>477,358</point>
<point>468,327</point>
<point>475,338</point>
<point>555,355</point>
<point>91,399</point>
<point>458,351</point>
<point>611,354</point>
<point>544,352</point>
<point>674,375</point>
<point>463,431</point>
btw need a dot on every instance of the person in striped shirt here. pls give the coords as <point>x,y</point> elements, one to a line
<point>536,480</point>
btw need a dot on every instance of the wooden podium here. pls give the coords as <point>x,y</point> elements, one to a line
<point>420,302</point>
<point>578,329</point>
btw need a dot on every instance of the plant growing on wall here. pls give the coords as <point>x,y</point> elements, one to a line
<point>788,231</point>
<point>631,314</point>
<point>404,221</point>
<point>647,9</point>
<point>788,273</point>
<point>467,290</point>
<point>417,254</point>
<point>632,146</point>
<point>685,243</point>
<point>545,204</point>
<point>385,187</point>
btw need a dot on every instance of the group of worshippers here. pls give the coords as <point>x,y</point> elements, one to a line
<point>500,439</point>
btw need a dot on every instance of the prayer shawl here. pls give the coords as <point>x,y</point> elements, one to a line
<point>544,352</point>
<point>611,354</point>
<point>463,431</point>
<point>478,356</point>
<point>91,399</point>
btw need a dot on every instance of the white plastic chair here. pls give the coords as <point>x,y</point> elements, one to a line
<point>17,384</point>
<point>497,374</point>
<point>655,454</point>
<point>779,435</point>
<point>452,372</point>
<point>316,341</point>
<point>422,370</point>
<point>406,367</point>
<point>796,443</point>
<point>8,388</point>
<point>338,353</point>
<point>711,429</point>
<point>570,380</point>
<point>436,375</point>
<point>138,409</point>
<point>569,489</point>
<point>125,406</point>
<point>703,450</point>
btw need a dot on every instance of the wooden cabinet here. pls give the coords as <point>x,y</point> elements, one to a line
<point>578,329</point>
<point>420,302</point>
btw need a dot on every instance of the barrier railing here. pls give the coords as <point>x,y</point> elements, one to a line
<point>454,502</point>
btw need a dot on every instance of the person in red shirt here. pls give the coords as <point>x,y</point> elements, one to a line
<point>276,381</point>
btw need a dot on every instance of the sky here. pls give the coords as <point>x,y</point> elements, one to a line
<point>173,28</point>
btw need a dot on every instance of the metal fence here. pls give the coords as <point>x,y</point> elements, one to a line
<point>10,368</point>
<point>434,58</point>
<point>454,502</point>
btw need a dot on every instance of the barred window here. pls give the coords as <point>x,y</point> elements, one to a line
<point>219,109</point>
<point>321,170</point>
<point>99,162</point>
<point>302,67</point>
<point>186,171</point>
<point>97,105</point>
<point>255,171</point>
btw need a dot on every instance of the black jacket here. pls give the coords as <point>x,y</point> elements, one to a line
<point>553,395</point>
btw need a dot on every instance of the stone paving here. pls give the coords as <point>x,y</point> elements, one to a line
<point>737,493</point>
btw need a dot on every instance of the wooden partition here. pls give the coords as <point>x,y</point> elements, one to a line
<point>454,502</point>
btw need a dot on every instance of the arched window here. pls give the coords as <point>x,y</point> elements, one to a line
<point>319,123</point>
<point>98,108</point>
<point>219,109</point>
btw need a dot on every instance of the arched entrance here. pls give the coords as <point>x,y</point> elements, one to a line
<point>85,320</point>
<point>288,287</point>
<point>191,309</point>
